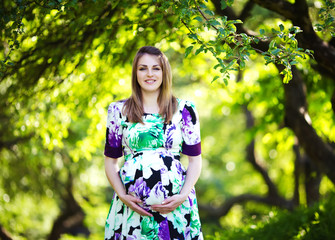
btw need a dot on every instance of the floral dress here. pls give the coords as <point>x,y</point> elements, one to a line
<point>153,172</point>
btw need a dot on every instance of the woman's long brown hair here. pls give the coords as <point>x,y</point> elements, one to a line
<point>167,103</point>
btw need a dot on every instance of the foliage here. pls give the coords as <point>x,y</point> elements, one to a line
<point>230,49</point>
<point>283,49</point>
<point>218,36</point>
<point>326,15</point>
<point>63,62</point>
<point>12,21</point>
<point>304,223</point>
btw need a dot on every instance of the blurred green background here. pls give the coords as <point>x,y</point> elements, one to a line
<point>267,171</point>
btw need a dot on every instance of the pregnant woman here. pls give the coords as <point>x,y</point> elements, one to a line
<point>154,194</point>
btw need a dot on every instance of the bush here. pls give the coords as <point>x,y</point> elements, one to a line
<point>308,223</point>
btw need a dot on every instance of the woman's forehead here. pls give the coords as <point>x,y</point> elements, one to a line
<point>149,60</point>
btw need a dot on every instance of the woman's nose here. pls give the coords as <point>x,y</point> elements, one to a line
<point>149,72</point>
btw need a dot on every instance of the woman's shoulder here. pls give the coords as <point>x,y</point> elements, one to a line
<point>117,105</point>
<point>182,103</point>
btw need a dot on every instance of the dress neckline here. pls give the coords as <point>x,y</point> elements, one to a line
<point>150,113</point>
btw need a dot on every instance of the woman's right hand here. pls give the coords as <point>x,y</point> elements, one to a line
<point>132,203</point>
<point>112,173</point>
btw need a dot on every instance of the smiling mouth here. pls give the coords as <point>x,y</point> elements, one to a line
<point>150,81</point>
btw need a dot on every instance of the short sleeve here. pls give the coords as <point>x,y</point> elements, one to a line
<point>113,143</point>
<point>190,127</point>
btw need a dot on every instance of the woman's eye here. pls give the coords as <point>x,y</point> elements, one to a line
<point>141,69</point>
<point>157,69</point>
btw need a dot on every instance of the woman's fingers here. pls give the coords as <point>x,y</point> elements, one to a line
<point>141,211</point>
<point>169,204</point>
<point>132,202</point>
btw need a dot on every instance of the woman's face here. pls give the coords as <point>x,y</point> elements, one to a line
<point>149,73</point>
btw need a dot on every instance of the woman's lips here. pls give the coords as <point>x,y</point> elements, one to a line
<point>150,81</point>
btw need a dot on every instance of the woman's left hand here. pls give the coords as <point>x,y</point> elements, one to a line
<point>169,204</point>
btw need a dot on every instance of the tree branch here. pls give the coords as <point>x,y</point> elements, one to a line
<point>273,195</point>
<point>262,45</point>
<point>218,212</point>
<point>281,7</point>
<point>12,142</point>
<point>246,12</point>
<point>298,13</point>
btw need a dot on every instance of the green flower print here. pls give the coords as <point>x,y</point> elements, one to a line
<point>152,171</point>
<point>178,220</point>
<point>148,136</point>
<point>149,228</point>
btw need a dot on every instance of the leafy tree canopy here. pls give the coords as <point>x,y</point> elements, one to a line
<point>259,71</point>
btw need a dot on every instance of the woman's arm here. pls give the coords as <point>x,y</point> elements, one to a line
<point>112,173</point>
<point>192,175</point>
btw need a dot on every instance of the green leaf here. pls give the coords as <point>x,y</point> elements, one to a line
<point>223,4</point>
<point>217,65</point>
<point>274,31</point>
<point>198,18</point>
<point>281,26</point>
<point>225,79</point>
<point>200,49</point>
<point>193,36</point>
<point>275,51</point>
<point>242,64</point>
<point>262,31</point>
<point>230,64</point>
<point>287,76</point>
<point>188,51</point>
<point>272,44</point>
<point>237,21</point>
<point>268,60</point>
<point>214,79</point>
<point>214,22</point>
<point>209,12</point>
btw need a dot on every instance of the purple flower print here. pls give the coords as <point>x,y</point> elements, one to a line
<point>169,134</point>
<point>114,138</point>
<point>131,238</point>
<point>187,118</point>
<point>179,167</point>
<point>152,172</point>
<point>157,195</point>
<point>159,190</point>
<point>164,233</point>
<point>190,200</point>
<point>190,126</point>
<point>187,233</point>
<point>139,189</point>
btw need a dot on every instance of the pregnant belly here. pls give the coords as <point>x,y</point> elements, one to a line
<point>152,177</point>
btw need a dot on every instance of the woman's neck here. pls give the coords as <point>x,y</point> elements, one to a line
<point>150,103</point>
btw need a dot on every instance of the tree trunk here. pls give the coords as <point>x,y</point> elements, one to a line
<point>312,181</point>
<point>4,235</point>
<point>71,219</point>
<point>297,118</point>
